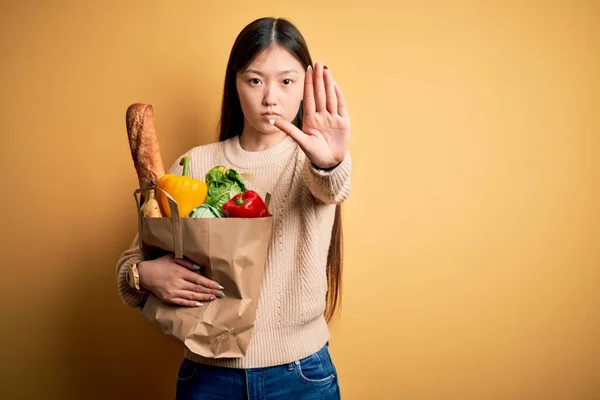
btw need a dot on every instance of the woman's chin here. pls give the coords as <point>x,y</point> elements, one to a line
<point>267,128</point>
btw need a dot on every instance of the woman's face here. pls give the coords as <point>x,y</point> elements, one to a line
<point>271,87</point>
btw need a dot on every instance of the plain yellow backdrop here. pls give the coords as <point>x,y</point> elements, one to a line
<point>472,233</point>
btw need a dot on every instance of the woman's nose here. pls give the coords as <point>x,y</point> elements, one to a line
<point>270,96</point>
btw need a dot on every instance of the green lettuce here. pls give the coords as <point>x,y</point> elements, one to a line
<point>223,183</point>
<point>205,211</point>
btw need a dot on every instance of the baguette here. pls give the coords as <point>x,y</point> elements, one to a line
<point>144,144</point>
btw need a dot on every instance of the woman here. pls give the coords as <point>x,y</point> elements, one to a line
<point>285,121</point>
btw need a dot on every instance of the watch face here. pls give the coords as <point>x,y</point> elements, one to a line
<point>133,277</point>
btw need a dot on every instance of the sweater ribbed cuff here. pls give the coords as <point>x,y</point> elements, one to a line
<point>130,296</point>
<point>331,185</point>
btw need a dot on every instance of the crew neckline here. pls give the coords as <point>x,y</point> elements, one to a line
<point>241,158</point>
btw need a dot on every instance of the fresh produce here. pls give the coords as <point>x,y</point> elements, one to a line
<point>150,208</point>
<point>223,194</point>
<point>205,211</point>
<point>223,183</point>
<point>245,205</point>
<point>186,191</point>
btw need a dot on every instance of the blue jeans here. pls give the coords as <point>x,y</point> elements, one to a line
<point>310,378</point>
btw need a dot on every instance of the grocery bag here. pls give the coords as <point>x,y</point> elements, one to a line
<point>231,251</point>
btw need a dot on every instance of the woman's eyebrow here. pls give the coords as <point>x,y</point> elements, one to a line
<point>255,71</point>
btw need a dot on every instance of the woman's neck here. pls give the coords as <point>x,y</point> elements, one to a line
<point>253,140</point>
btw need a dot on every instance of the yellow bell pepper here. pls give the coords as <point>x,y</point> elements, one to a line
<point>186,191</point>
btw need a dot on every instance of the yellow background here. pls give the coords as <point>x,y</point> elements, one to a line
<point>472,234</point>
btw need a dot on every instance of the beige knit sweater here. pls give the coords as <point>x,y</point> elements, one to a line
<point>289,322</point>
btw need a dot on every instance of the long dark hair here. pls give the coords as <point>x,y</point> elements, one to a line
<point>257,36</point>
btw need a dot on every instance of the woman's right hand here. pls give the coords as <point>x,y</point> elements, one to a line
<point>177,281</point>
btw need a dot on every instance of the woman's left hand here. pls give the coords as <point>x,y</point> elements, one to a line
<point>325,124</point>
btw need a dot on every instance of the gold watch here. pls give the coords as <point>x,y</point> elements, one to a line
<point>133,277</point>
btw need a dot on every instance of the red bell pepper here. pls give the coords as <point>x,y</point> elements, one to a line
<point>248,204</point>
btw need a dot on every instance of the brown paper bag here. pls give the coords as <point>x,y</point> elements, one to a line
<point>233,252</point>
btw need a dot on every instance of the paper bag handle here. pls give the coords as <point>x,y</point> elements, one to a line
<point>175,220</point>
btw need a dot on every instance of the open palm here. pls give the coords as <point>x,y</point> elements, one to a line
<point>326,129</point>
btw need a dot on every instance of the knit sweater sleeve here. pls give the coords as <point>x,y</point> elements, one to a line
<point>329,186</point>
<point>130,296</point>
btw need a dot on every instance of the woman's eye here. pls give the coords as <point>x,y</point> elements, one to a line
<point>287,81</point>
<point>254,81</point>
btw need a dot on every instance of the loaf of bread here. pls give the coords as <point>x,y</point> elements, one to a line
<point>144,144</point>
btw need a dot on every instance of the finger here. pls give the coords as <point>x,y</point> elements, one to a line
<point>201,289</point>
<point>198,279</point>
<point>291,130</point>
<point>190,295</point>
<point>309,94</point>
<point>187,264</point>
<point>341,102</point>
<point>184,302</point>
<point>331,100</point>
<point>319,88</point>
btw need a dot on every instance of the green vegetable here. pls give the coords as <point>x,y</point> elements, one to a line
<point>205,211</point>
<point>223,183</point>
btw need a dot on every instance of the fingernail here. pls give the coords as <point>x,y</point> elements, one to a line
<point>221,294</point>
<point>325,67</point>
<point>196,267</point>
<point>211,298</point>
<point>309,67</point>
<point>198,304</point>
<point>272,121</point>
<point>220,287</point>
